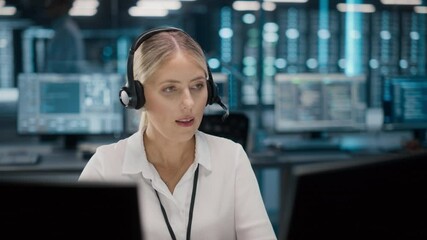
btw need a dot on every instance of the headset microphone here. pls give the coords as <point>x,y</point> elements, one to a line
<point>132,95</point>
<point>227,112</point>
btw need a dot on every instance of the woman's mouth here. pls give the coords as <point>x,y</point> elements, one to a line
<point>185,122</point>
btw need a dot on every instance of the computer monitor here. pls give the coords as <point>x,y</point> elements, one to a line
<point>69,104</point>
<point>405,102</point>
<point>380,197</point>
<point>64,210</point>
<point>310,102</point>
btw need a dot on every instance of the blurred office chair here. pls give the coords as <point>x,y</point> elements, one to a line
<point>235,127</point>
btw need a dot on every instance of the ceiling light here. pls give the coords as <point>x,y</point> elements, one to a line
<point>269,6</point>
<point>287,1</point>
<point>246,5</point>
<point>349,7</point>
<point>141,12</point>
<point>153,4</point>
<point>7,11</point>
<point>420,9</point>
<point>401,2</point>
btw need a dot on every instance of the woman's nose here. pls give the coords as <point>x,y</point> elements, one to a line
<point>187,99</point>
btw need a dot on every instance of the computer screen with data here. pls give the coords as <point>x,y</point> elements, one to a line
<point>56,104</point>
<point>319,102</point>
<point>405,102</point>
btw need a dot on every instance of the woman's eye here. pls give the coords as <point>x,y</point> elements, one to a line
<point>198,86</point>
<point>169,89</point>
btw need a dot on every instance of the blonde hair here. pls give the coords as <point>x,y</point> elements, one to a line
<point>158,49</point>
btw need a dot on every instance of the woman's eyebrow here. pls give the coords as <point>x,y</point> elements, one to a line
<point>177,81</point>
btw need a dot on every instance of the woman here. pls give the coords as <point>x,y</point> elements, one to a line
<point>192,185</point>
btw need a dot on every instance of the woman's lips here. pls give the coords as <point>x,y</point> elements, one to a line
<point>185,122</point>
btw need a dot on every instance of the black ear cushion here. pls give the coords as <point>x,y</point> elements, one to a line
<point>212,92</point>
<point>140,97</point>
<point>210,88</point>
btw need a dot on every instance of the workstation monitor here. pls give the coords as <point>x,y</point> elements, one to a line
<point>380,197</point>
<point>312,110</point>
<point>69,105</point>
<point>65,210</point>
<point>306,102</point>
<point>404,101</point>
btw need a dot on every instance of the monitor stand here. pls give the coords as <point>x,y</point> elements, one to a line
<point>418,140</point>
<point>63,142</point>
<point>311,141</point>
<point>317,141</point>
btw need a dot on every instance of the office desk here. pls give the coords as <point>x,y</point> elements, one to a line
<point>67,165</point>
<point>60,166</point>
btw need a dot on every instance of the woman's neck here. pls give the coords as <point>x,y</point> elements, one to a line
<point>168,154</point>
<point>171,160</point>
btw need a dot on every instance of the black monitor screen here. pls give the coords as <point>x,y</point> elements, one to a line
<point>319,102</point>
<point>371,198</point>
<point>405,102</point>
<point>53,210</point>
<point>69,104</point>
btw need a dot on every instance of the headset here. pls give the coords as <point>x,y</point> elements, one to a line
<point>132,94</point>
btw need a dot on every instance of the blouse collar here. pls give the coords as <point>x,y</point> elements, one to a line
<point>135,158</point>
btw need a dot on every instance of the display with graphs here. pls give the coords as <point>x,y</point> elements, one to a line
<point>55,104</point>
<point>320,102</point>
<point>405,102</point>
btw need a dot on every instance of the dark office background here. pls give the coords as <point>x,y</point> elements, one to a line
<point>358,68</point>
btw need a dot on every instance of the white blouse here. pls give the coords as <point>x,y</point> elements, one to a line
<point>228,202</point>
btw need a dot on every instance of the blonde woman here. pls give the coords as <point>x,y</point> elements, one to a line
<point>192,185</point>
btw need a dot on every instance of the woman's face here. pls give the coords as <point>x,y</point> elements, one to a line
<point>175,96</point>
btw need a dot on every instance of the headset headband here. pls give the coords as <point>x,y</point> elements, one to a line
<point>133,96</point>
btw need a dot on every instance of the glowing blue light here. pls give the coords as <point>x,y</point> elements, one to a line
<point>385,35</point>
<point>271,27</point>
<point>249,71</point>
<point>403,63</point>
<point>323,34</point>
<point>269,71</point>
<point>414,35</point>
<point>225,33</point>
<point>248,18</point>
<point>270,37</point>
<point>249,61</point>
<point>214,63</point>
<point>312,63</point>
<point>374,64</point>
<point>280,63</point>
<point>292,33</point>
